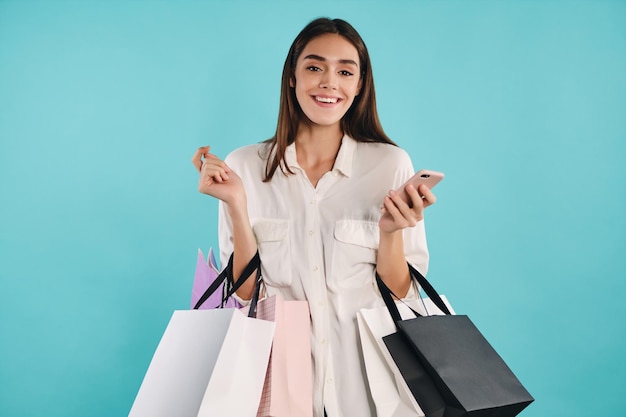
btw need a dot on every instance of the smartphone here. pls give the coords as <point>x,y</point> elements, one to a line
<point>423,176</point>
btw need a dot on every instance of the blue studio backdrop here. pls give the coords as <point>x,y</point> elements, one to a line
<point>521,103</point>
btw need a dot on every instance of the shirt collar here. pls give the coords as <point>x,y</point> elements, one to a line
<point>343,162</point>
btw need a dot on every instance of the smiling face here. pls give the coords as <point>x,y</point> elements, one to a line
<point>327,79</point>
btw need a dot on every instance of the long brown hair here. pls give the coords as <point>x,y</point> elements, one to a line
<point>360,121</point>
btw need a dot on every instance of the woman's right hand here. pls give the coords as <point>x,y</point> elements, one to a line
<point>219,181</point>
<point>216,178</point>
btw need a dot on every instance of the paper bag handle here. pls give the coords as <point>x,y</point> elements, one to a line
<point>422,282</point>
<point>226,275</point>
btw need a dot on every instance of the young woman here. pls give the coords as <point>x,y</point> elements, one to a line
<point>317,202</point>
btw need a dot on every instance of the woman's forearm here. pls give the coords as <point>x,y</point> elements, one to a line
<point>244,247</point>
<point>391,263</point>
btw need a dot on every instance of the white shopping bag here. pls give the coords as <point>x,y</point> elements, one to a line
<point>236,385</point>
<point>390,392</point>
<point>182,364</point>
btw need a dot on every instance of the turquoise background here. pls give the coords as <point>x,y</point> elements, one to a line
<point>521,103</point>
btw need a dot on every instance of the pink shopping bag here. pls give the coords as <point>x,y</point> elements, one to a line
<point>288,387</point>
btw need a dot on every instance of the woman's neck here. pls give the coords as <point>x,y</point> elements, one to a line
<point>317,148</point>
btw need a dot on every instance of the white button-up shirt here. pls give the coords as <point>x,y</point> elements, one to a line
<point>320,244</point>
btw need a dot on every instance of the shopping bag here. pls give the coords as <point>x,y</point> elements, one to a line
<point>288,389</point>
<point>390,392</point>
<point>182,364</point>
<point>459,372</point>
<point>236,383</point>
<point>206,274</point>
<point>189,356</point>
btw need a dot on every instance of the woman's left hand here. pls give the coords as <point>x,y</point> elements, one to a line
<point>398,215</point>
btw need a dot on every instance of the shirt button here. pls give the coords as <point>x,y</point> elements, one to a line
<point>315,269</point>
<point>321,303</point>
<point>330,381</point>
<point>324,341</point>
<point>310,232</point>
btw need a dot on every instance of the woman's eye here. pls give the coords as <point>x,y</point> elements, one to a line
<point>346,73</point>
<point>313,68</point>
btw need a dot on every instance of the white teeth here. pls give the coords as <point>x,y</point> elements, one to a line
<point>326,99</point>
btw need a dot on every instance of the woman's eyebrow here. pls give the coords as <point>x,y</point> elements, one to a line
<point>321,58</point>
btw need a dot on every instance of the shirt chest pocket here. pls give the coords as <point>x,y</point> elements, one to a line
<point>354,253</point>
<point>272,236</point>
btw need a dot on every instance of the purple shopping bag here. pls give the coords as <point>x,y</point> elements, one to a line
<point>206,273</point>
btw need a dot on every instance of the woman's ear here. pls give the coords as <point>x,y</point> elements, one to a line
<point>292,81</point>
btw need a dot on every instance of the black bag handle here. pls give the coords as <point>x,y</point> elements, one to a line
<point>257,290</point>
<point>230,288</point>
<point>387,294</point>
<point>428,289</point>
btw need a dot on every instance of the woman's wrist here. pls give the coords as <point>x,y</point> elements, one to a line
<point>243,235</point>
<point>238,209</point>
<point>390,238</point>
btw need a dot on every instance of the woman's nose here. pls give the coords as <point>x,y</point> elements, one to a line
<point>329,80</point>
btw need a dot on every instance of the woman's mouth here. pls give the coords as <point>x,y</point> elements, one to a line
<point>327,100</point>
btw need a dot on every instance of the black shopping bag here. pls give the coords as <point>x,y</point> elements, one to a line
<point>449,366</point>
